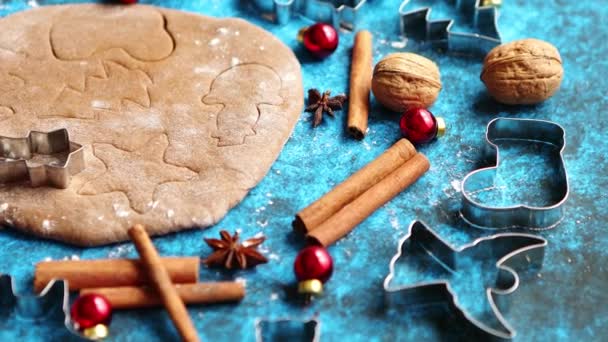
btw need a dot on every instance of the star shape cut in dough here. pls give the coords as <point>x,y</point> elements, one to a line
<point>137,174</point>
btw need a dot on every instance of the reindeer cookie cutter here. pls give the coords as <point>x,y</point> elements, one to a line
<point>483,16</point>
<point>16,159</point>
<point>522,215</point>
<point>510,250</point>
<point>343,16</point>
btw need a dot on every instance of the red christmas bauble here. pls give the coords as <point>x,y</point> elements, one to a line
<point>89,310</point>
<point>320,39</point>
<point>313,262</point>
<point>418,125</point>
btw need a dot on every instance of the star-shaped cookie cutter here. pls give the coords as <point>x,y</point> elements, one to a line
<point>287,329</point>
<point>524,216</point>
<point>418,25</point>
<point>341,15</point>
<point>511,250</point>
<point>16,155</point>
<point>37,307</point>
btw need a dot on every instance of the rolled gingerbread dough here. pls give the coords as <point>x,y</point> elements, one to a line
<point>180,115</point>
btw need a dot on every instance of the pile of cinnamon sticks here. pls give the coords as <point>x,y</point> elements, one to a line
<point>124,282</point>
<point>150,281</point>
<point>339,211</point>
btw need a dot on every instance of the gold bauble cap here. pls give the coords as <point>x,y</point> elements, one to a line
<point>440,127</point>
<point>310,287</point>
<point>301,32</point>
<point>97,332</point>
<point>492,3</point>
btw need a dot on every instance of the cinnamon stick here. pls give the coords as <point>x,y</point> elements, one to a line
<point>133,297</point>
<point>161,281</point>
<point>111,272</point>
<point>318,212</point>
<point>358,210</point>
<point>360,84</point>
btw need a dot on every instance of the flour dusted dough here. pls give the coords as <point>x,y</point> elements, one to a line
<point>181,115</point>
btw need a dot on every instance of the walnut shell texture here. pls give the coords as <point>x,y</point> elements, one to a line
<point>406,80</point>
<point>526,71</point>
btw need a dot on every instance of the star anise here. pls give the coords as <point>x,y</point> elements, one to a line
<point>319,104</point>
<point>229,253</point>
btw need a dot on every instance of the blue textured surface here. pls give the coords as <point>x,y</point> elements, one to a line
<point>566,300</point>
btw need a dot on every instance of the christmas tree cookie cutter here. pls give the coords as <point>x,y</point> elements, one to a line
<point>342,14</point>
<point>16,155</point>
<point>287,329</point>
<point>417,24</point>
<point>37,307</point>
<point>510,250</point>
<point>524,216</point>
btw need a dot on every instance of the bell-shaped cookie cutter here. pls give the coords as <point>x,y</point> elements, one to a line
<point>343,16</point>
<point>16,152</point>
<point>286,329</point>
<point>524,216</point>
<point>416,24</point>
<point>511,250</point>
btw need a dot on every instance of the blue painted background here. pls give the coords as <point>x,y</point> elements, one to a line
<point>566,300</point>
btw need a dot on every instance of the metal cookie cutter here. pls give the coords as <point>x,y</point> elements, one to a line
<point>37,307</point>
<point>342,14</point>
<point>16,155</point>
<point>287,329</point>
<point>483,18</point>
<point>510,250</point>
<point>525,216</point>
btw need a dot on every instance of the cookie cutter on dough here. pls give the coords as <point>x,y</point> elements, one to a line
<point>418,25</point>
<point>15,153</point>
<point>510,250</point>
<point>342,16</point>
<point>38,307</point>
<point>286,329</point>
<point>524,216</point>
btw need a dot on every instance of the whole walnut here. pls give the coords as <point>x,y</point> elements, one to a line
<point>406,80</point>
<point>526,71</point>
